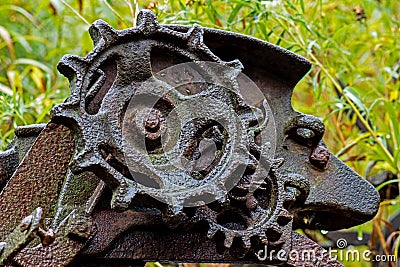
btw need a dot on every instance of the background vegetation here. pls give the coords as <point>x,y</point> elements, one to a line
<point>353,86</point>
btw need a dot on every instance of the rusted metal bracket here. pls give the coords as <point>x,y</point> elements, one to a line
<point>176,144</point>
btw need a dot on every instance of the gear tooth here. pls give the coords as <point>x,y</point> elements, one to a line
<point>123,195</point>
<point>246,242</point>
<point>66,109</point>
<point>234,69</point>
<point>221,197</point>
<point>195,36</point>
<point>173,215</point>
<point>72,66</point>
<point>209,214</point>
<point>221,185</point>
<point>211,232</point>
<point>220,194</point>
<point>222,200</point>
<point>176,209</point>
<point>147,22</point>
<point>228,239</point>
<point>235,64</point>
<point>102,30</point>
<point>82,161</point>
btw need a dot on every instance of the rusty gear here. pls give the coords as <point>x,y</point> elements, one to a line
<point>121,111</point>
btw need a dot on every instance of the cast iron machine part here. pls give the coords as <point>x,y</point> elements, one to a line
<point>84,188</point>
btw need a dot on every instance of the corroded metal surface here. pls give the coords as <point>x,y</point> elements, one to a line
<point>38,179</point>
<point>69,240</point>
<point>143,242</point>
<point>178,144</point>
<point>275,72</point>
<point>25,136</point>
<point>148,246</point>
<point>122,122</point>
<point>321,256</point>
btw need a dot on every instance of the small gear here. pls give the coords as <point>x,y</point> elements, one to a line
<point>261,215</point>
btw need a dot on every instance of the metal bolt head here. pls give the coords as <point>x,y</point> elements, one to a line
<point>319,157</point>
<point>80,227</point>
<point>152,122</point>
<point>149,122</point>
<point>46,237</point>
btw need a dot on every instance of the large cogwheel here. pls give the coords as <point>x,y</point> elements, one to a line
<point>181,133</point>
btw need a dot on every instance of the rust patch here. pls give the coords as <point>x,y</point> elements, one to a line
<point>38,179</point>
